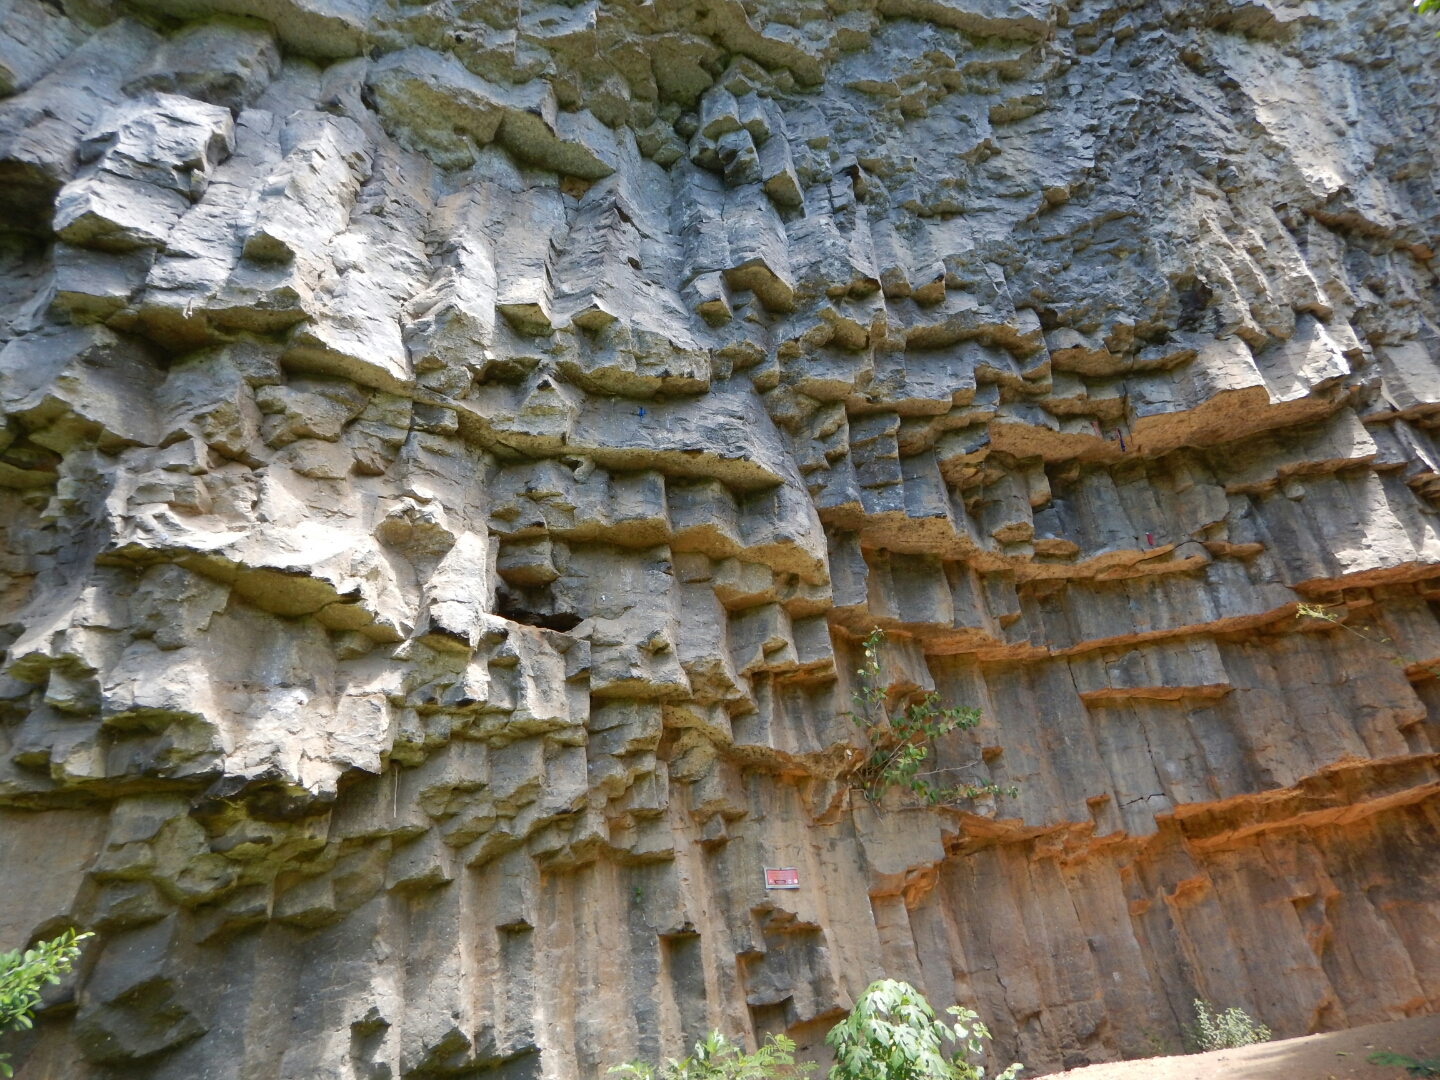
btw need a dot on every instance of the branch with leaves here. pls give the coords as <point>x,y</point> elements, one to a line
<point>900,740</point>
<point>717,1058</point>
<point>1399,659</point>
<point>893,1034</point>
<point>1228,1030</point>
<point>24,975</point>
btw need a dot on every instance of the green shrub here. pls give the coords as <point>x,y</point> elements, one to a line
<point>893,1034</point>
<point>24,975</point>
<point>900,741</point>
<point>717,1058</point>
<point>1225,1031</point>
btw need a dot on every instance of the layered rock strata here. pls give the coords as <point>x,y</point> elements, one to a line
<point>453,452</point>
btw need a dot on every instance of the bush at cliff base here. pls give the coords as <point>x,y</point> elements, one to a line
<point>893,1034</point>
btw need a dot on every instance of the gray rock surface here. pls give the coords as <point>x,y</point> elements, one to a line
<point>453,453</point>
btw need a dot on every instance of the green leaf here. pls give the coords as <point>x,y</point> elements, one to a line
<point>893,1034</point>
<point>717,1058</point>
<point>23,975</point>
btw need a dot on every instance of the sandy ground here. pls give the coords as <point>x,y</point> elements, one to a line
<point>1336,1055</point>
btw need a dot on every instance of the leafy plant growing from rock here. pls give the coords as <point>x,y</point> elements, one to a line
<point>893,1034</point>
<point>717,1058</point>
<point>1225,1031</point>
<point>24,975</point>
<point>899,740</point>
<point>1399,659</point>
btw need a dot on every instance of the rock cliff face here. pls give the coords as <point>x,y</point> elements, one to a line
<point>453,452</point>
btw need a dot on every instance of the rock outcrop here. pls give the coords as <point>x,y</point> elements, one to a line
<point>453,453</point>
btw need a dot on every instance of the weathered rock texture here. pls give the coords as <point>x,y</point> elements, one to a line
<point>453,451</point>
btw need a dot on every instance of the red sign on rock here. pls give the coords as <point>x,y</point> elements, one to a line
<point>783,878</point>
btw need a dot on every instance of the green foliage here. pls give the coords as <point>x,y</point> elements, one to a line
<point>1317,611</point>
<point>1427,7</point>
<point>1225,1031</point>
<point>893,1034</point>
<point>1414,1066</point>
<point>1160,1046</point>
<point>900,739</point>
<point>24,975</point>
<point>717,1058</point>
